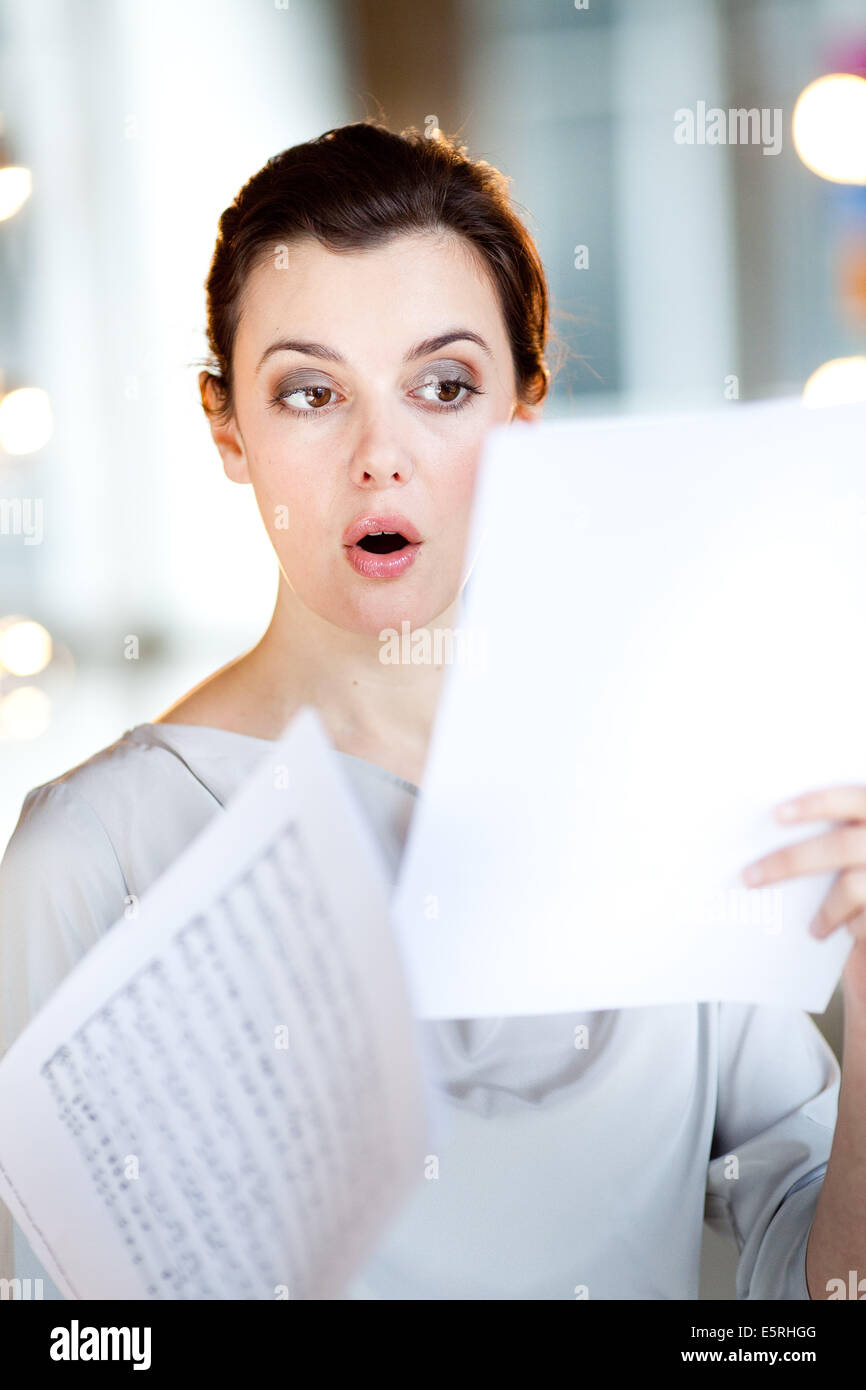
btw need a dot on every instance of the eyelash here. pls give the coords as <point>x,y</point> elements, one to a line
<point>277,402</point>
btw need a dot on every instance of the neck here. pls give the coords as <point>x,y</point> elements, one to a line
<point>365,703</point>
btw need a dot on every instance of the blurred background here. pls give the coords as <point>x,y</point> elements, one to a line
<point>685,270</point>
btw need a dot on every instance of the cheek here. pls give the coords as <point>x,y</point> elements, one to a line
<point>462,478</point>
<point>290,500</point>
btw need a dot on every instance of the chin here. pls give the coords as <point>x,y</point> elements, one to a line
<point>375,612</point>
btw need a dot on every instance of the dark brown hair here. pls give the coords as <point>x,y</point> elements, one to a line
<point>357,186</point>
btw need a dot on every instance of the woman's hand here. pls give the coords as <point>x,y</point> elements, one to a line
<point>843,848</point>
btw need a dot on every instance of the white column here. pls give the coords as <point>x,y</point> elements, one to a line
<point>673,224</point>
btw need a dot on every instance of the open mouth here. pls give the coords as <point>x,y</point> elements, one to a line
<point>381,545</point>
<point>382,542</point>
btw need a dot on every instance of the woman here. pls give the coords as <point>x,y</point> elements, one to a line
<point>375,306</point>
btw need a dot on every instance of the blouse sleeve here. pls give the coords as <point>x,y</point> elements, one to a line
<point>61,888</point>
<point>776,1112</point>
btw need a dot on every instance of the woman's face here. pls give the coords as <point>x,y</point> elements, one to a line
<point>361,399</point>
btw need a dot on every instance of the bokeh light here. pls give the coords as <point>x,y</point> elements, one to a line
<point>841,381</point>
<point>26,421</point>
<point>16,186</point>
<point>25,647</point>
<point>829,127</point>
<point>24,713</point>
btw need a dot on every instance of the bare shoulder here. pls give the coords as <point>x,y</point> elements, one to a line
<point>238,697</point>
<point>216,701</point>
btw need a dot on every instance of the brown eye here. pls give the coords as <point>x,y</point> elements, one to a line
<point>445,390</point>
<point>451,389</point>
<point>304,400</point>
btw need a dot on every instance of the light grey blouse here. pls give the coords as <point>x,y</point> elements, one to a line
<point>585,1149</point>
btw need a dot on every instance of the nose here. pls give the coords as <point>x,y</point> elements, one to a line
<point>380,460</point>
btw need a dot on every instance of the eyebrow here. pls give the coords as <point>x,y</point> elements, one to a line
<point>427,345</point>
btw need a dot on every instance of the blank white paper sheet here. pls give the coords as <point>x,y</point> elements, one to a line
<point>663,636</point>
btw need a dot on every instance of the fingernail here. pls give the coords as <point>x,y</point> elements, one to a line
<point>751,874</point>
<point>787,810</point>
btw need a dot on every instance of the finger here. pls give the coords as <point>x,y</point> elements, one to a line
<point>857,926</point>
<point>826,803</point>
<point>842,848</point>
<point>844,902</point>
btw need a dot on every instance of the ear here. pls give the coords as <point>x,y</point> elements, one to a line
<point>225,436</point>
<point>530,414</point>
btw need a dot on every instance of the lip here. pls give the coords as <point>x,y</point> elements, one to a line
<point>381,566</point>
<point>363,525</point>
